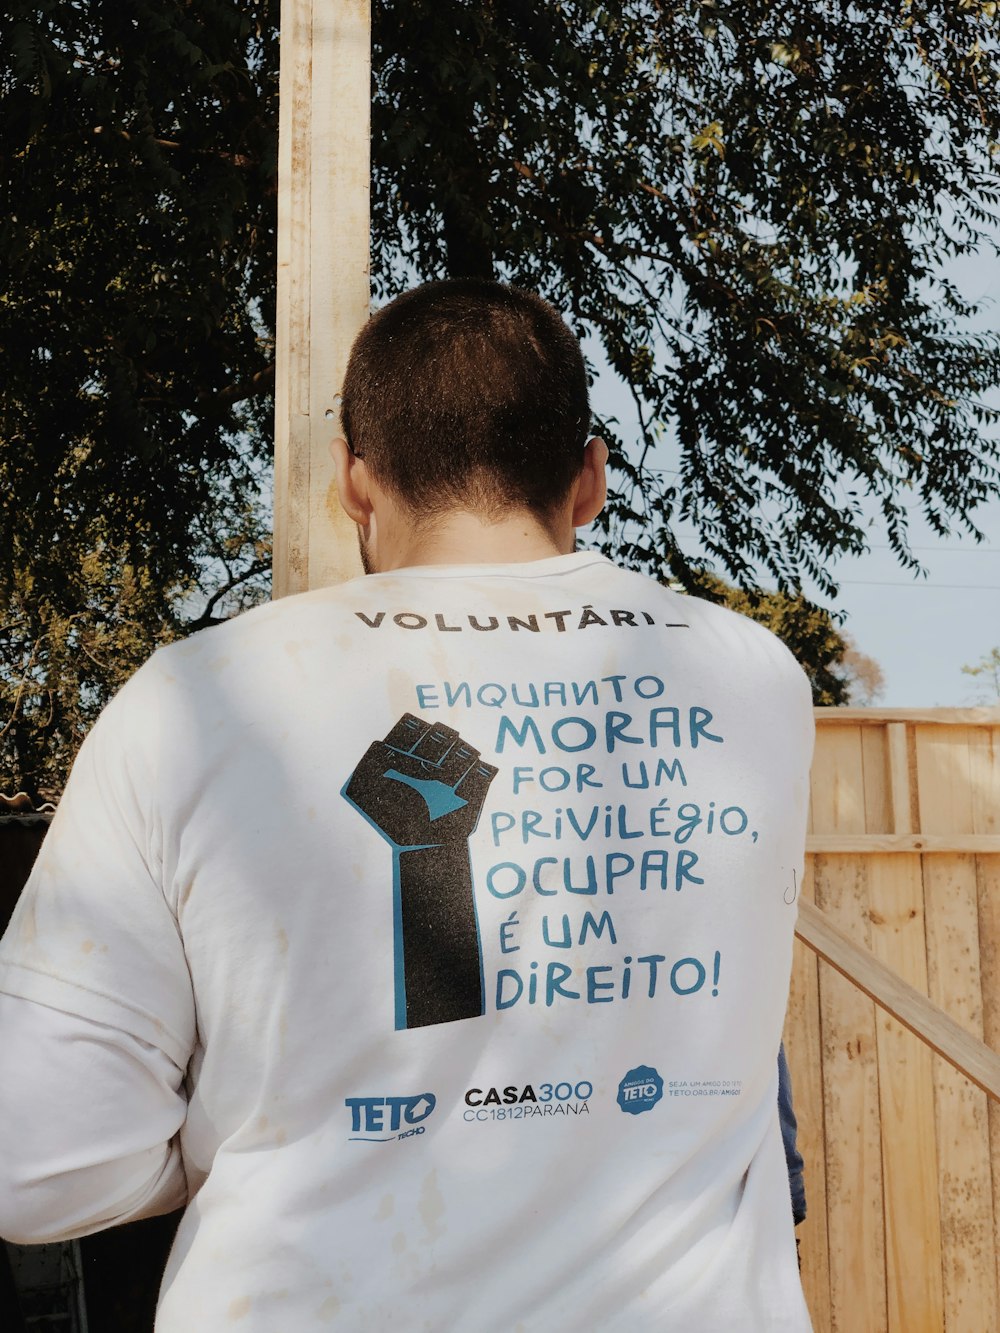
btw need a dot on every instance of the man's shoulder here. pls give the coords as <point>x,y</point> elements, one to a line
<point>713,619</point>
<point>608,595</point>
<point>260,625</point>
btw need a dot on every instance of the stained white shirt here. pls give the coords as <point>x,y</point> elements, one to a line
<point>431,935</point>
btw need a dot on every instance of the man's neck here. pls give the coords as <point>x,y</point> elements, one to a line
<point>462,538</point>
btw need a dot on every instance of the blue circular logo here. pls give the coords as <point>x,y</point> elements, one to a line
<point>640,1090</point>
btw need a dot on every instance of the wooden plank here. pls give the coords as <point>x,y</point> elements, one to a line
<point>877,781</point>
<point>855,1229</point>
<point>984,779</point>
<point>340,287</point>
<point>950,898</point>
<point>803,1046</point>
<point>291,384</point>
<point>965,1296</point>
<point>837,790</point>
<point>906,1095</point>
<point>965,1188</point>
<point>984,770</point>
<point>824,935</point>
<point>988,884</point>
<point>851,1112</point>
<point>936,717</point>
<point>323,289</point>
<point>899,778</point>
<point>832,844</point>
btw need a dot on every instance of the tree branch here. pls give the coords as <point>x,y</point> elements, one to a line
<point>206,618</point>
<point>262,382</point>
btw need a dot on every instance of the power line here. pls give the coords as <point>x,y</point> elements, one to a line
<point>880,546</point>
<point>896,583</point>
<point>963,550</point>
<point>986,548</point>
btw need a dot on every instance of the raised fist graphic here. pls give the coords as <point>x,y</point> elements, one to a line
<point>423,788</point>
<point>422,785</point>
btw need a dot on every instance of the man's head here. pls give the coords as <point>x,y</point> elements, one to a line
<point>468,397</point>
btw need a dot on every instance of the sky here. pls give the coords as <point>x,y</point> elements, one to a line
<point>920,630</point>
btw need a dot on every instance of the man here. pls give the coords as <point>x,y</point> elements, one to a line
<point>430,935</point>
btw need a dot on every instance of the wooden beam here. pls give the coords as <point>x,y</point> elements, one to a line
<point>852,844</point>
<point>924,717</point>
<point>323,284</point>
<point>899,778</point>
<point>897,997</point>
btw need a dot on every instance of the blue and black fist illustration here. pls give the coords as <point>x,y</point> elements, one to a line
<point>423,788</point>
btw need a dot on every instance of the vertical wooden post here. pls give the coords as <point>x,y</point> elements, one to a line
<point>323,287</point>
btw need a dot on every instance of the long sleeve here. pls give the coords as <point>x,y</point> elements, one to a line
<point>89,1117</point>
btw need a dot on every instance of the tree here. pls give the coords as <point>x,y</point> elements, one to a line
<point>986,672</point>
<point>838,672</point>
<point>63,654</point>
<point>745,206</point>
<point>138,241</point>
<point>863,675</point>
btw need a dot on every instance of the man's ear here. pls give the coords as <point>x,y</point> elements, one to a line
<point>352,483</point>
<point>592,483</point>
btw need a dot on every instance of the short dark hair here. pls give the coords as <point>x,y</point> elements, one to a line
<point>468,393</point>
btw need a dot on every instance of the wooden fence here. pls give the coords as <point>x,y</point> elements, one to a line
<point>902,1153</point>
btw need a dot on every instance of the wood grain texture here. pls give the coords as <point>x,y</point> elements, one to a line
<point>851,1116</point>
<point>934,717</point>
<point>876,779</point>
<point>946,784</point>
<point>965,1190</point>
<point>339,272</point>
<point>852,844</point>
<point>323,284</point>
<point>803,1047</point>
<point>845,1024</point>
<point>984,781</point>
<point>912,1009</point>
<point>899,778</point>
<point>846,1019</point>
<point>988,895</point>
<point>906,1098</point>
<point>904,826</point>
<point>837,800</point>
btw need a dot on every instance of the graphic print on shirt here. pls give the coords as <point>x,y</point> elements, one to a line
<point>423,789</point>
<point>616,832</point>
<point>609,812</point>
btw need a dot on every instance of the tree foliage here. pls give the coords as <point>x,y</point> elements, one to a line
<point>745,207</point>
<point>746,204</point>
<point>138,244</point>
<point>838,672</point>
<point>864,676</point>
<point>986,673</point>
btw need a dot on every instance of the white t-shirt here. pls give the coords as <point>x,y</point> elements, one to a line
<point>465,898</point>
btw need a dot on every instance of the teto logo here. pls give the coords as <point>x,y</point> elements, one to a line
<point>640,1090</point>
<point>382,1119</point>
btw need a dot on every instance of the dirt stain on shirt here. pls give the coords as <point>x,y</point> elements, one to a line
<point>431,1206</point>
<point>328,1310</point>
<point>239,1308</point>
